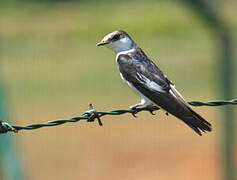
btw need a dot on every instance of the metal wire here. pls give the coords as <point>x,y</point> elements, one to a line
<point>92,115</point>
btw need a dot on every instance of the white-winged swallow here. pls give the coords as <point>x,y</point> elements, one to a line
<point>149,82</point>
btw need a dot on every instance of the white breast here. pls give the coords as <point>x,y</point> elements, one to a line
<point>144,98</point>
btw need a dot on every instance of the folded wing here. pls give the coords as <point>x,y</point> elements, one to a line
<point>147,78</point>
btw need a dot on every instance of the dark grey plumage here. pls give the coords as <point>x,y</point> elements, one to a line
<point>135,62</point>
<point>143,76</point>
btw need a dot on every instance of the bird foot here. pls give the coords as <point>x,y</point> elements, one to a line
<point>152,108</point>
<point>133,108</point>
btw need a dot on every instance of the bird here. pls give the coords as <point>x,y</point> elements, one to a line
<point>145,78</point>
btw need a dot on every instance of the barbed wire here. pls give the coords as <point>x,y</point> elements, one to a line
<point>92,115</point>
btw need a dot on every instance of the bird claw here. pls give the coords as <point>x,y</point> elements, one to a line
<point>134,112</point>
<point>152,112</point>
<point>151,109</point>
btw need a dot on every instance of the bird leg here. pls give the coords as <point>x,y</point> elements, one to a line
<point>142,103</point>
<point>133,107</point>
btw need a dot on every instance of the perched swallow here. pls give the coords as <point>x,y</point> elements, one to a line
<point>149,82</point>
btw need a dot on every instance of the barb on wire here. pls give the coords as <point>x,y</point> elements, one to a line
<point>92,115</point>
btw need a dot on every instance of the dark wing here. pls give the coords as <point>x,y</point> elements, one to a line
<point>147,78</point>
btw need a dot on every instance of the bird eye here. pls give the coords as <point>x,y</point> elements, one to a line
<point>116,37</point>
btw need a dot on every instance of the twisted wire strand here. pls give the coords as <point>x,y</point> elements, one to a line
<point>92,115</point>
<point>213,103</point>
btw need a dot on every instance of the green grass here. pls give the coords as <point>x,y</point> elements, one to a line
<point>49,52</point>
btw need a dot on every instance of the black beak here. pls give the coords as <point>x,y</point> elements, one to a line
<point>101,43</point>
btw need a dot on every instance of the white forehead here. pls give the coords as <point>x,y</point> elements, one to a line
<point>109,36</point>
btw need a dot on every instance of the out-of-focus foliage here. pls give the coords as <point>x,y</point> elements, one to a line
<point>52,69</point>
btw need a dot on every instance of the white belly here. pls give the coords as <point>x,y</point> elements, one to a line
<point>143,98</point>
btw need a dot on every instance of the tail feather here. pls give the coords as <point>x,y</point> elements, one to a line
<point>197,123</point>
<point>174,104</point>
<point>190,117</point>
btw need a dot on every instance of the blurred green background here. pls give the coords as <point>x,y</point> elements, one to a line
<point>52,69</point>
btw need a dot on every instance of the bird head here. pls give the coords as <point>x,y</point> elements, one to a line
<point>117,41</point>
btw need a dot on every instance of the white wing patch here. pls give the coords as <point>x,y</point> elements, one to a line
<point>150,84</point>
<point>145,100</point>
<point>176,94</point>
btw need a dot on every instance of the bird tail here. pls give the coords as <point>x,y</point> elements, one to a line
<point>175,104</point>
<point>190,117</point>
<point>196,122</point>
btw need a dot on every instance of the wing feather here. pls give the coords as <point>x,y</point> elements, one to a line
<point>148,79</point>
